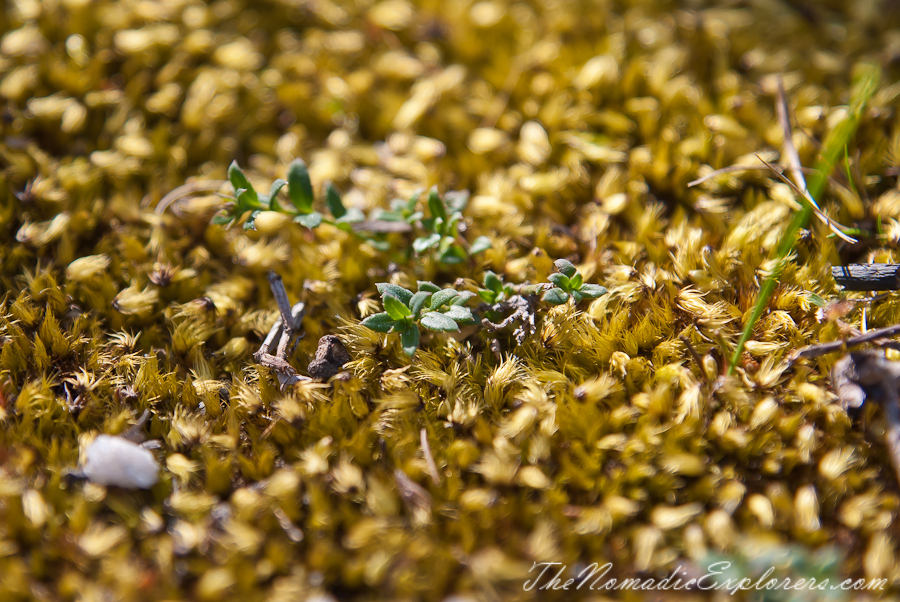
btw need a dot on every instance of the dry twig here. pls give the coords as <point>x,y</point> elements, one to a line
<point>282,331</point>
<point>739,168</point>
<point>790,151</point>
<point>873,336</point>
<point>794,167</point>
<point>832,225</point>
<point>523,311</point>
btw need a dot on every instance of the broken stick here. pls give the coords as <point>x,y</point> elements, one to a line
<point>867,276</point>
<point>282,331</point>
<point>869,337</point>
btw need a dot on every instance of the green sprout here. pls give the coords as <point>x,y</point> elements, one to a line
<point>520,299</point>
<point>441,228</point>
<point>495,290</point>
<point>300,193</point>
<point>568,282</point>
<point>404,211</point>
<point>432,307</point>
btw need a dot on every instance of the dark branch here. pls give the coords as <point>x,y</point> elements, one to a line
<point>867,276</point>
<point>872,336</point>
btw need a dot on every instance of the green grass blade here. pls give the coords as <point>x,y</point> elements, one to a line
<point>866,83</point>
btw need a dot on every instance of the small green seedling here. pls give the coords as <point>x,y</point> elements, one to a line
<point>441,227</point>
<point>432,307</point>
<point>404,211</point>
<point>300,193</point>
<point>495,290</point>
<point>568,282</point>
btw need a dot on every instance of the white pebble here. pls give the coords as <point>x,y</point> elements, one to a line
<point>119,462</point>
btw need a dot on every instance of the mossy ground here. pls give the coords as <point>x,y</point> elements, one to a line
<point>577,126</point>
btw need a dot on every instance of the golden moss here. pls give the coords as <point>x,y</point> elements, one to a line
<point>576,126</point>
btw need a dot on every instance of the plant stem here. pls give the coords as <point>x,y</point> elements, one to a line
<point>863,89</point>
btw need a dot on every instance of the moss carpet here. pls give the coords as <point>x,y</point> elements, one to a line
<point>601,437</point>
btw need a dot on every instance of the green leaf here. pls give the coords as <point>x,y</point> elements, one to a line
<point>488,296</point>
<point>453,223</point>
<point>381,322</point>
<point>431,287</point>
<point>576,281</point>
<point>453,254</point>
<point>299,186</point>
<point>414,216</point>
<point>351,216</point>
<point>426,242</point>
<point>565,267</point>
<point>334,202</point>
<point>242,200</point>
<point>418,302</point>
<point>555,296</point>
<point>456,200</point>
<point>435,320</point>
<point>395,307</point>
<point>459,314</point>
<point>413,200</point>
<point>493,282</point>
<point>222,219</point>
<point>531,289</point>
<point>378,245</point>
<point>389,216</point>
<point>576,296</point>
<point>409,339</point>
<point>592,291</point>
<point>386,288</point>
<point>442,297</point>
<point>277,185</point>
<point>239,180</point>
<point>428,223</point>
<point>462,298</point>
<point>310,220</point>
<point>482,243</point>
<point>436,205</point>
<point>562,281</point>
<point>446,243</point>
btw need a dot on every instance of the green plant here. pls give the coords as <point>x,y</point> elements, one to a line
<point>495,290</point>
<point>300,192</point>
<point>441,228</point>
<point>404,211</point>
<point>431,307</point>
<point>863,89</point>
<point>568,282</point>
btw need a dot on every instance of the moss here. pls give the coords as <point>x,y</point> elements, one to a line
<point>608,432</point>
